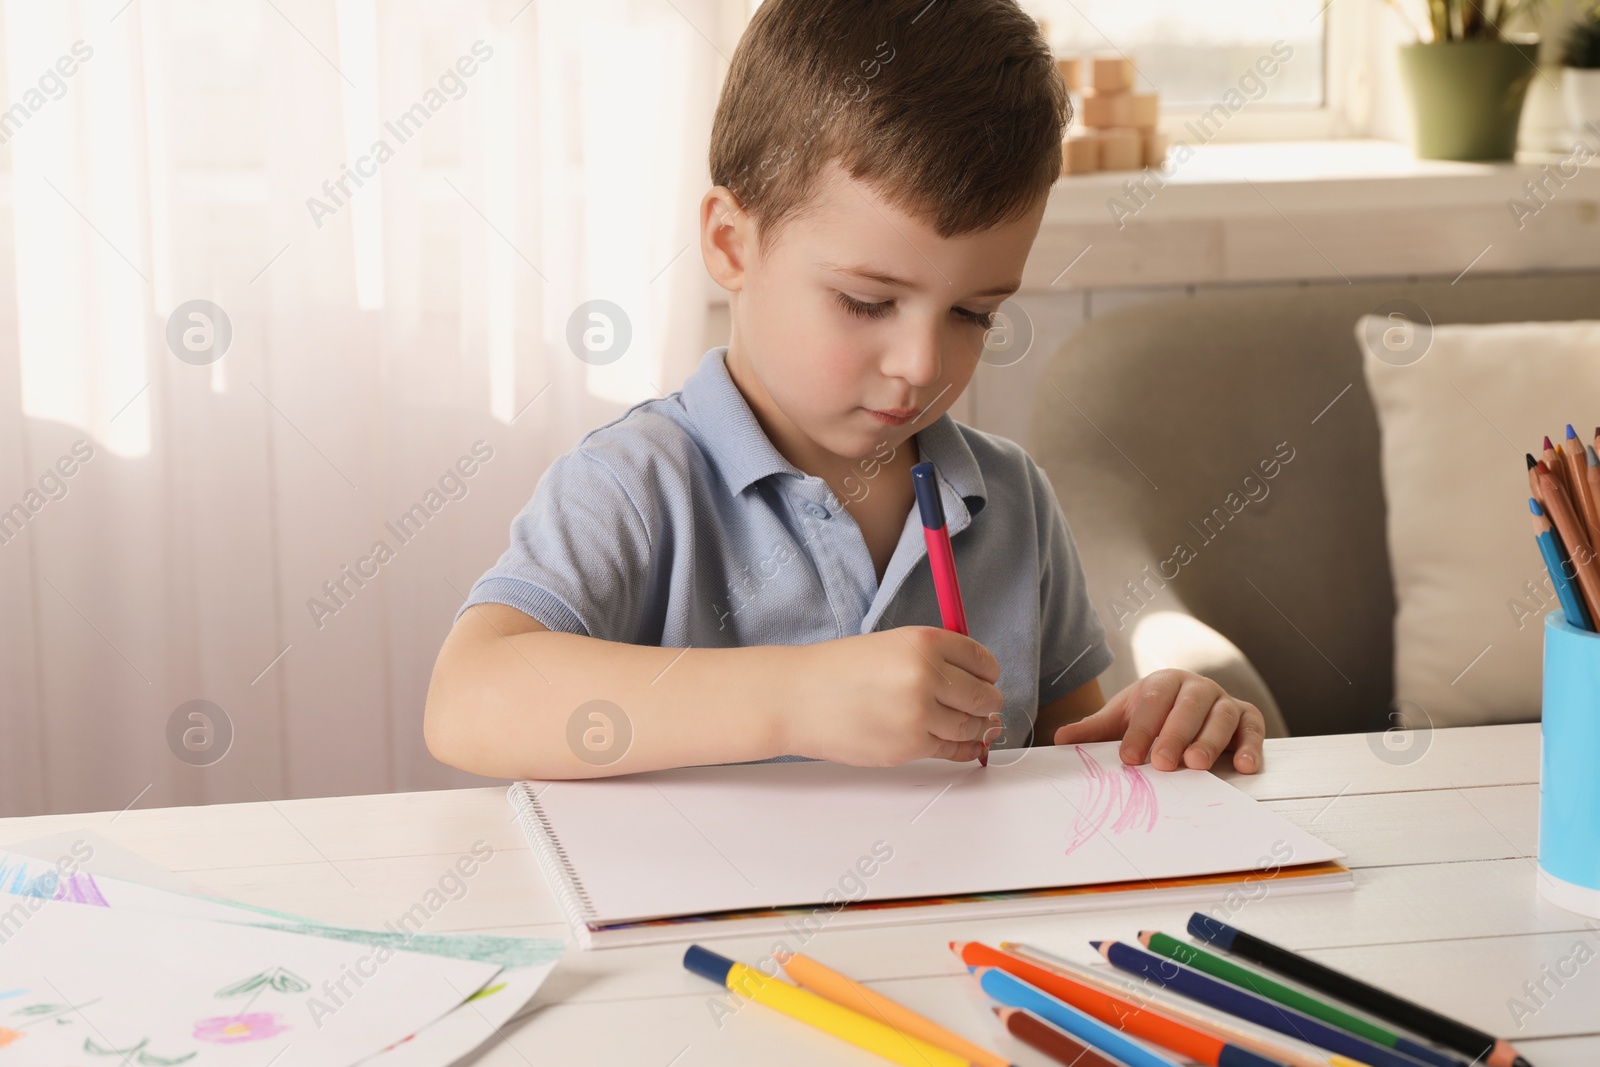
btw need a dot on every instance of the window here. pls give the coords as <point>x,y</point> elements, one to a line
<point>1194,53</point>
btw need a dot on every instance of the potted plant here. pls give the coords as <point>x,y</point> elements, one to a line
<point>1580,80</point>
<point>1466,77</point>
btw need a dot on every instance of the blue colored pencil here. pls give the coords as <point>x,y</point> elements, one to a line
<point>1249,1006</point>
<point>1577,614</point>
<point>1013,992</point>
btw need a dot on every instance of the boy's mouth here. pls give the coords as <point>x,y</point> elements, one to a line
<point>894,416</point>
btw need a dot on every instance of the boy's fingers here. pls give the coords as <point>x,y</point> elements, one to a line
<point>950,724</point>
<point>970,655</point>
<point>1247,739</point>
<point>1103,725</point>
<point>1215,735</point>
<point>1196,701</point>
<point>1152,702</point>
<point>967,693</point>
<point>959,751</point>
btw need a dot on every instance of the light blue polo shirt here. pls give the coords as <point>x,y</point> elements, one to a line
<point>679,524</point>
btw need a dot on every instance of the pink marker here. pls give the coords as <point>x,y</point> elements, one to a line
<point>925,480</point>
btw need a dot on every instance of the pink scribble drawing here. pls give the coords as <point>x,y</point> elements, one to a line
<point>1124,797</point>
<point>234,1029</point>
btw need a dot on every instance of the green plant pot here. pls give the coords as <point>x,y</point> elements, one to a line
<point>1466,96</point>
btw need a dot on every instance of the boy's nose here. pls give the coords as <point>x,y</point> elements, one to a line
<point>916,358</point>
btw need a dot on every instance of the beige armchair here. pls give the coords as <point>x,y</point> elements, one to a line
<point>1217,460</point>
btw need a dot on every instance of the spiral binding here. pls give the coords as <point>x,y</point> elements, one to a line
<point>553,861</point>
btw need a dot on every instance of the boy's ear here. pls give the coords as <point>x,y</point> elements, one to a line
<point>727,237</point>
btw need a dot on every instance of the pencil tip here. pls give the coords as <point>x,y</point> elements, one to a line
<point>1096,945</point>
<point>1548,447</point>
<point>1532,463</point>
<point>1533,506</point>
<point>1571,433</point>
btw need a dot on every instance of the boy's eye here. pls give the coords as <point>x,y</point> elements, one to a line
<point>862,309</point>
<point>980,318</point>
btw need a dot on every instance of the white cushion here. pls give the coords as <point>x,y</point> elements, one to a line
<point>1470,586</point>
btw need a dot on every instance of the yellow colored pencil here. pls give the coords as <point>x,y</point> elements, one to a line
<point>851,994</point>
<point>819,1012</point>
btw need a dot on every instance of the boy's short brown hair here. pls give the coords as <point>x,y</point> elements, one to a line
<point>952,110</point>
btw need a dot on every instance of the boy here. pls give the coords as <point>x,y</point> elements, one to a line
<point>737,572</point>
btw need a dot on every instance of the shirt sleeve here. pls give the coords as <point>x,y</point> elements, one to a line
<point>579,558</point>
<point>1072,640</point>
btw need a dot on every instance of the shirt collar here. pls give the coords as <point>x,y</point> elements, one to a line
<point>743,454</point>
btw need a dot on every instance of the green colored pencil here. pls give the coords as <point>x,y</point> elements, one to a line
<point>1261,985</point>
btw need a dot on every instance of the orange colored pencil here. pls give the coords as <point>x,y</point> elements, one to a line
<point>848,993</point>
<point>1128,1015</point>
<point>1558,505</point>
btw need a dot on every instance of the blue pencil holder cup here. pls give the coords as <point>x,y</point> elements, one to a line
<point>1569,768</point>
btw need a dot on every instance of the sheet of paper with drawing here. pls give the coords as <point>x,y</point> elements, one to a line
<point>84,980</point>
<point>726,839</point>
<point>267,1010</point>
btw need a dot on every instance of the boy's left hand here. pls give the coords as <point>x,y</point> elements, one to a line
<point>1175,718</point>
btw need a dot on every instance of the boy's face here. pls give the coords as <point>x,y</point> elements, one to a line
<point>837,363</point>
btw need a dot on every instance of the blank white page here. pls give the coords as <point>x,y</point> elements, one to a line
<point>708,839</point>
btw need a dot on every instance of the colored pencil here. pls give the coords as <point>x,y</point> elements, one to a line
<point>1050,1040</point>
<point>941,558</point>
<point>1592,477</point>
<point>1303,1055</point>
<point>817,1011</point>
<point>1440,1029</point>
<point>1578,475</point>
<point>826,982</point>
<point>1556,463</point>
<point>1556,564</point>
<point>1591,480</point>
<point>1246,1005</point>
<point>1533,474</point>
<point>1558,506</point>
<point>1118,1011</point>
<point>1013,992</point>
<point>1258,983</point>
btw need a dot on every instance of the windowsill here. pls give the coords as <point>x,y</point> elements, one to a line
<point>1314,210</point>
<point>1266,177</point>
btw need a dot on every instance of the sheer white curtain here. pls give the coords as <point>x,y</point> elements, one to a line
<point>397,206</point>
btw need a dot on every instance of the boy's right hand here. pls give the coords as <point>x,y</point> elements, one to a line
<point>883,698</point>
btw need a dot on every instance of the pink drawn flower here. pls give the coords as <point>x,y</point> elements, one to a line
<point>232,1029</point>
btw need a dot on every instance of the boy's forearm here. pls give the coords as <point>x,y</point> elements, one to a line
<point>506,706</point>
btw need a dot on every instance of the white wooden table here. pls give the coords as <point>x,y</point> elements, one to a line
<point>1441,837</point>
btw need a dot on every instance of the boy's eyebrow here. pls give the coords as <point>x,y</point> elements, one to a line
<point>880,277</point>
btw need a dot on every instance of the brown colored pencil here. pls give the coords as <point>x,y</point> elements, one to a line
<point>1592,476</point>
<point>1578,475</point>
<point>1558,505</point>
<point>1049,1040</point>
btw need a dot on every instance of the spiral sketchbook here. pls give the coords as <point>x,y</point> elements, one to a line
<point>741,849</point>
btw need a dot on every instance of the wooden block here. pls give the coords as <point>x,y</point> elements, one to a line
<point>1071,69</point>
<point>1080,154</point>
<point>1144,110</point>
<point>1112,74</point>
<point>1121,148</point>
<point>1107,109</point>
<point>1154,144</point>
